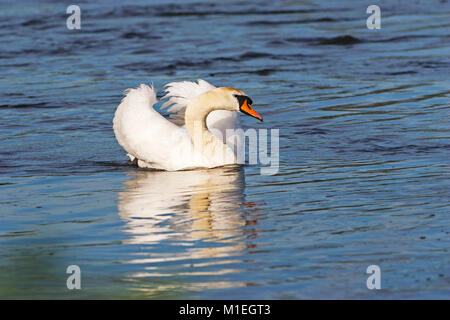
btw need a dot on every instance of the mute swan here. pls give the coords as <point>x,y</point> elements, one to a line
<point>192,137</point>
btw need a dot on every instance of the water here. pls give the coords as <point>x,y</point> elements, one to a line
<point>364,148</point>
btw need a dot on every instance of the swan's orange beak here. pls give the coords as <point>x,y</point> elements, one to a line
<point>247,109</point>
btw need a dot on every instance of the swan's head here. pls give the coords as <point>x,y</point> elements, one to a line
<point>235,100</point>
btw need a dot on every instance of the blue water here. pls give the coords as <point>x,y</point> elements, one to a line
<point>364,152</point>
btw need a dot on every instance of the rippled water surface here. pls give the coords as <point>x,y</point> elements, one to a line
<point>364,152</point>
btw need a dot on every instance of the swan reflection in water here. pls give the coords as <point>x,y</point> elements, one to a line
<point>199,215</point>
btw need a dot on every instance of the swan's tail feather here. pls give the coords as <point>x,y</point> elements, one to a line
<point>143,93</point>
<point>133,114</point>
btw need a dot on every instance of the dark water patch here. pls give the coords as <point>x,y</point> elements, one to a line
<point>246,56</point>
<point>16,65</point>
<point>32,22</point>
<point>9,168</point>
<point>412,149</point>
<point>349,40</point>
<point>340,40</point>
<point>429,64</point>
<point>139,35</point>
<point>144,51</point>
<point>200,9</point>
<point>102,164</point>
<point>17,234</point>
<point>416,66</point>
<point>254,55</point>
<point>406,38</point>
<point>237,13</point>
<point>307,40</point>
<point>313,131</point>
<point>149,10</point>
<point>367,140</point>
<point>397,73</point>
<point>296,56</point>
<point>8,154</point>
<point>264,72</point>
<point>128,11</point>
<point>356,106</point>
<point>58,167</point>
<point>79,45</point>
<point>22,53</point>
<point>92,30</point>
<point>261,72</point>
<point>43,22</point>
<point>13,94</point>
<point>157,67</point>
<point>81,221</point>
<point>276,43</point>
<point>64,50</point>
<point>282,22</point>
<point>81,125</point>
<point>38,105</point>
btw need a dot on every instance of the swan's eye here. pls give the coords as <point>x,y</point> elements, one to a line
<point>241,99</point>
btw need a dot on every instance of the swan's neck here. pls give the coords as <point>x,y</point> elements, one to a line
<point>195,118</point>
<point>202,139</point>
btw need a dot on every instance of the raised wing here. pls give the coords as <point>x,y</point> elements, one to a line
<point>179,94</point>
<point>145,134</point>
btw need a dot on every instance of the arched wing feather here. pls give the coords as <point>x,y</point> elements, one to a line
<point>144,133</point>
<point>179,94</point>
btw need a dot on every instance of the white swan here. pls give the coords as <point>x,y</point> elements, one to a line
<point>192,136</point>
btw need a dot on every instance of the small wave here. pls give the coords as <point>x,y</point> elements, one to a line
<point>38,105</point>
<point>227,12</point>
<point>139,35</point>
<point>405,149</point>
<point>281,22</point>
<point>32,22</point>
<point>340,40</point>
<point>313,131</point>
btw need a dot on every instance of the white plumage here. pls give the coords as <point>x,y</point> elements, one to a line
<point>170,144</point>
